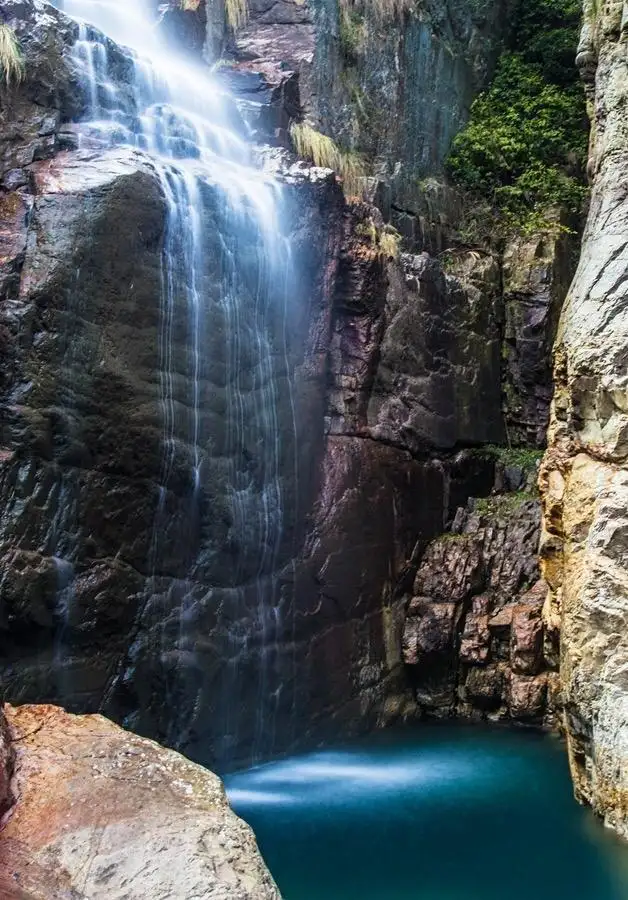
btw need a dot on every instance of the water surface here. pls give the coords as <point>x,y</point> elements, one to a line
<point>435,812</point>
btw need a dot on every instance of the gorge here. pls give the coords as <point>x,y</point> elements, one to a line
<point>282,425</point>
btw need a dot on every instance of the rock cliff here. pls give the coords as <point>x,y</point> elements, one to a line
<point>101,813</point>
<point>239,631</point>
<point>584,474</point>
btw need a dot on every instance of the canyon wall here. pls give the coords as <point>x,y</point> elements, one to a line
<point>238,632</point>
<point>584,473</point>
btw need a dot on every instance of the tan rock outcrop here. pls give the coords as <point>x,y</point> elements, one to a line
<point>584,480</point>
<point>102,813</point>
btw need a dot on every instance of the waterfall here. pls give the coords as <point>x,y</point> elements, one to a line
<point>191,131</point>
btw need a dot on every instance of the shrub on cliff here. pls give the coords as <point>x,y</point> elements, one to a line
<point>524,148</point>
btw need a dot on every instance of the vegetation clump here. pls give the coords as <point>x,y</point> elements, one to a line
<point>378,12</point>
<point>524,149</point>
<point>525,458</point>
<point>352,33</point>
<point>11,60</point>
<point>237,13</point>
<point>386,241</point>
<point>323,151</point>
<point>502,504</point>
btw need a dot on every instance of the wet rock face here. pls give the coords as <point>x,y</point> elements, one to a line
<point>102,813</point>
<point>35,116</point>
<point>149,602</point>
<point>112,573</point>
<point>474,639</point>
<point>584,475</point>
<point>151,566</point>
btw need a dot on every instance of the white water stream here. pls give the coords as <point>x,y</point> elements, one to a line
<point>174,112</point>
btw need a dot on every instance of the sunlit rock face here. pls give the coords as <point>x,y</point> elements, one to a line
<point>584,477</point>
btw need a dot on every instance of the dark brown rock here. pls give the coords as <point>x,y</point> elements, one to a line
<point>484,687</point>
<point>494,632</point>
<point>430,632</point>
<point>436,383</point>
<point>527,696</point>
<point>476,637</point>
<point>527,632</point>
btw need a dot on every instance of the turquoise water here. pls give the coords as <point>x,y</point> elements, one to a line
<point>430,813</point>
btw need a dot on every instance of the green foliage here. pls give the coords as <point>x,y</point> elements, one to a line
<point>11,61</point>
<point>548,31</point>
<point>524,457</point>
<point>502,504</point>
<point>451,537</point>
<point>352,33</point>
<point>524,148</point>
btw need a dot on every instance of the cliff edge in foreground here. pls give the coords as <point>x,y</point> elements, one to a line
<point>101,813</point>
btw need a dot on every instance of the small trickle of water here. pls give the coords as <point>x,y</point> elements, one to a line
<point>64,603</point>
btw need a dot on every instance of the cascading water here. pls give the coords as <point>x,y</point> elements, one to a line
<point>196,142</point>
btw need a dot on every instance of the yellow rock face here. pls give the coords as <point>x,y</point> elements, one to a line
<point>584,478</point>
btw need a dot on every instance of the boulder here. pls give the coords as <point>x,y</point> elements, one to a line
<point>101,813</point>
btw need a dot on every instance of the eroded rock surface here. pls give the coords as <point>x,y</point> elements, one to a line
<point>101,813</point>
<point>584,476</point>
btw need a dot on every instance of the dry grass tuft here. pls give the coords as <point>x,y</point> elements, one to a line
<point>389,242</point>
<point>386,241</point>
<point>379,11</point>
<point>322,151</point>
<point>237,13</point>
<point>10,56</point>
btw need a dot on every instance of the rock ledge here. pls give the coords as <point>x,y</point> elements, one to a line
<point>102,813</point>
